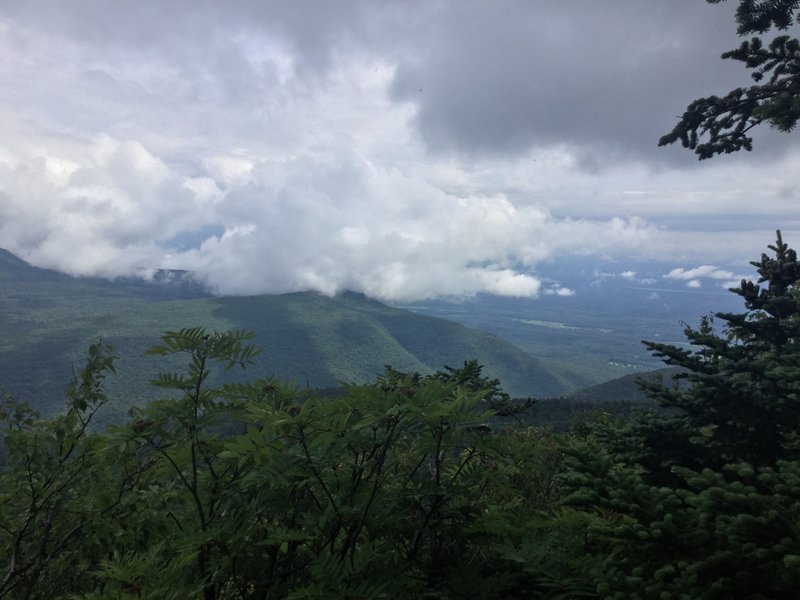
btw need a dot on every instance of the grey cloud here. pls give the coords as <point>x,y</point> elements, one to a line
<point>606,79</point>
<point>402,149</point>
<point>187,29</point>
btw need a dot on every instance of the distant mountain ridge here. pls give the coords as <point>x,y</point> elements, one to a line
<point>50,318</point>
<point>13,266</point>
<point>625,388</point>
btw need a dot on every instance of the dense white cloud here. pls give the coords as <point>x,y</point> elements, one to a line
<point>694,277</point>
<point>403,151</point>
<point>324,222</point>
<point>709,271</point>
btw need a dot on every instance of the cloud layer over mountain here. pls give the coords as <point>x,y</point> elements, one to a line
<point>405,150</point>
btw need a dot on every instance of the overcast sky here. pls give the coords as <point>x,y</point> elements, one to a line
<point>403,149</point>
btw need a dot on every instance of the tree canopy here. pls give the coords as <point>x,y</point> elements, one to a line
<point>700,500</point>
<point>721,125</point>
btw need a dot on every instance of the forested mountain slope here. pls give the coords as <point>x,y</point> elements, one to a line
<point>49,319</point>
<point>625,388</point>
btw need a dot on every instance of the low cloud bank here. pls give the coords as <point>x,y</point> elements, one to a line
<point>326,222</point>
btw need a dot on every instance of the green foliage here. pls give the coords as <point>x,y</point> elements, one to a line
<point>182,435</point>
<point>743,404</point>
<point>717,125</point>
<point>719,534</point>
<point>702,500</point>
<point>258,489</point>
<point>469,377</point>
<point>56,501</point>
<point>759,16</point>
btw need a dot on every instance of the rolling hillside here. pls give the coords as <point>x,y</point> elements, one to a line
<point>625,388</point>
<point>49,319</point>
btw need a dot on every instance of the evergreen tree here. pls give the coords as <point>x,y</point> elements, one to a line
<point>717,125</point>
<point>743,401</point>
<point>701,501</point>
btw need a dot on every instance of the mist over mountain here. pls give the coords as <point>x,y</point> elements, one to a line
<point>581,331</point>
<point>315,340</point>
